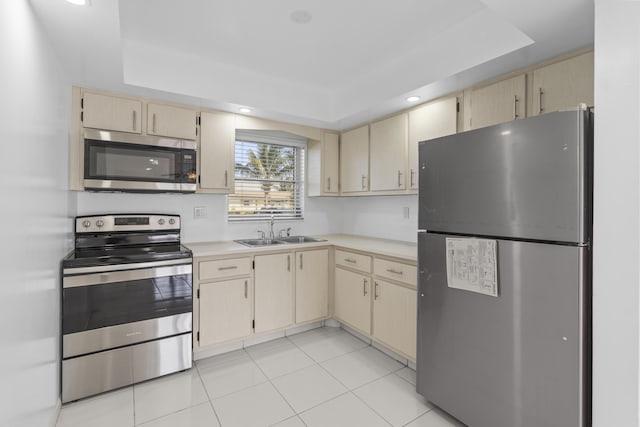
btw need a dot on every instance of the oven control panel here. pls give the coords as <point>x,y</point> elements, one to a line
<point>126,222</point>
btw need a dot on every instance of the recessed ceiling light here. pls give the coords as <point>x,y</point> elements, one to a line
<point>301,16</point>
<point>79,2</point>
<point>245,110</point>
<point>413,98</point>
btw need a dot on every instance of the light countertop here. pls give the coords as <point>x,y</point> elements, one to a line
<point>385,247</point>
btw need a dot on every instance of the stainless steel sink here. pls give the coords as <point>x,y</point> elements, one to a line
<point>259,242</point>
<point>278,241</point>
<point>299,239</point>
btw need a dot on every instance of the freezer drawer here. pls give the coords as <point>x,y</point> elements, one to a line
<point>518,359</point>
<point>526,179</point>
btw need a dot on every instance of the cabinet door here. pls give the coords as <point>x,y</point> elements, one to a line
<point>354,160</point>
<point>563,85</point>
<point>175,122</point>
<point>395,316</point>
<point>273,291</point>
<point>330,163</point>
<point>111,113</point>
<point>432,120</point>
<point>353,300</point>
<point>217,145</point>
<point>497,103</point>
<point>389,154</point>
<point>322,166</point>
<point>225,310</point>
<point>312,285</point>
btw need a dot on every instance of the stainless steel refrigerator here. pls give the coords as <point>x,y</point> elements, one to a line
<point>504,257</point>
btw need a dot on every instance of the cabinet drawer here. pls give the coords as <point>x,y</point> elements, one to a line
<point>352,260</point>
<point>224,268</point>
<point>395,270</point>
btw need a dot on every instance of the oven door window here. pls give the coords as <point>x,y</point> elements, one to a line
<point>110,304</point>
<point>132,162</point>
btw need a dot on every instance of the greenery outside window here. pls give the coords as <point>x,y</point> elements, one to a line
<point>269,176</point>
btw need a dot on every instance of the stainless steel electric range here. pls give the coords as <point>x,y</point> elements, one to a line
<point>126,303</point>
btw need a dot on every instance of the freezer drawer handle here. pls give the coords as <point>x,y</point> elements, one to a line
<point>391,270</point>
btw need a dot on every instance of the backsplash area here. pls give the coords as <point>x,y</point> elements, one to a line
<point>382,216</point>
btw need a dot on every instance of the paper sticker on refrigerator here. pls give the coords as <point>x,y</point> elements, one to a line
<point>471,265</point>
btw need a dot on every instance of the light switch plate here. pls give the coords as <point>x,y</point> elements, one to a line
<point>200,212</point>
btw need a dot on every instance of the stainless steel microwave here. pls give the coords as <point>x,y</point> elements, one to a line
<point>117,161</point>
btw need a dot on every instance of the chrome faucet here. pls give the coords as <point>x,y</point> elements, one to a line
<point>271,233</point>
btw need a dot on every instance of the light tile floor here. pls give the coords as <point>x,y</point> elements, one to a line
<point>325,377</point>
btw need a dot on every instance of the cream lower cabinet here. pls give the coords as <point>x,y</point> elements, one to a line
<point>395,316</point>
<point>226,311</point>
<point>273,290</point>
<point>353,299</point>
<point>312,285</point>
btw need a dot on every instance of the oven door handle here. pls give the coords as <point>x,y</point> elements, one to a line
<point>131,266</point>
<point>125,275</point>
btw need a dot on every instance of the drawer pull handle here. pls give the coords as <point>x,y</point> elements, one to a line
<point>364,287</point>
<point>231,267</point>
<point>391,270</point>
<point>350,260</point>
<point>375,291</point>
<point>246,289</point>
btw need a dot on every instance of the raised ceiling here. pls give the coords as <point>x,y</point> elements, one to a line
<point>353,61</point>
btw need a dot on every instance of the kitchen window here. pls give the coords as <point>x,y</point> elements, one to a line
<point>269,176</point>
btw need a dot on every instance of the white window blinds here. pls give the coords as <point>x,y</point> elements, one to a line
<point>269,176</point>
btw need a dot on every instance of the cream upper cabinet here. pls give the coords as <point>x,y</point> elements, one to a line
<point>312,285</point>
<point>111,113</point>
<point>354,160</point>
<point>563,85</point>
<point>388,150</point>
<point>273,292</point>
<point>225,310</point>
<point>499,102</point>
<point>174,122</point>
<point>352,299</point>
<point>323,165</point>
<point>217,148</point>
<point>431,120</point>
<point>395,316</point>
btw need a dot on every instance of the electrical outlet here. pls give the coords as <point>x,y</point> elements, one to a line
<point>200,212</point>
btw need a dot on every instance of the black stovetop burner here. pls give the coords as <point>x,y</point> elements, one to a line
<point>104,240</point>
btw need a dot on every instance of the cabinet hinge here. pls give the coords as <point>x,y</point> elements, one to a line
<point>199,179</point>
<point>81,116</point>
<point>457,107</point>
<point>253,324</point>
<point>253,267</point>
<point>81,102</point>
<point>198,336</point>
<point>198,294</point>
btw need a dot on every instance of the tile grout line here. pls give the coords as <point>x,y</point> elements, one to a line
<point>207,393</point>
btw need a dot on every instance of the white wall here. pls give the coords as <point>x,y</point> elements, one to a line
<point>382,216</point>
<point>36,217</point>
<point>617,214</point>
<point>322,215</point>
